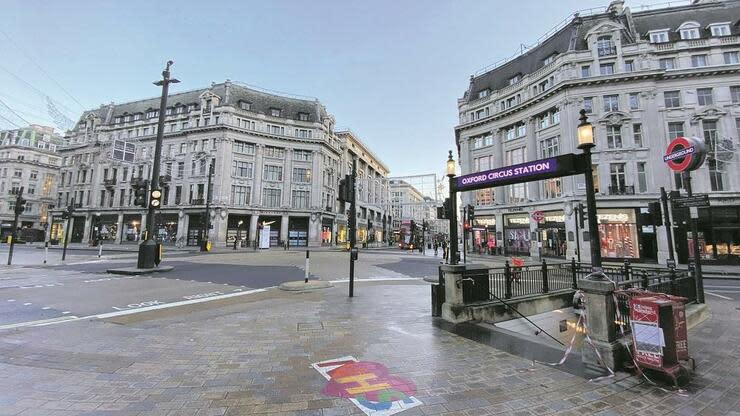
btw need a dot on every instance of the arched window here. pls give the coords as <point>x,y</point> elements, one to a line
<point>605,46</point>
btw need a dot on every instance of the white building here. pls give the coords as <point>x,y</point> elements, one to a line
<point>28,160</point>
<point>277,162</point>
<point>644,78</point>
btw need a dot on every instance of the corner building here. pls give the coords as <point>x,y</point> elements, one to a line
<point>644,78</point>
<point>276,162</point>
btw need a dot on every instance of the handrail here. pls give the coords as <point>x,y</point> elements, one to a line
<point>520,314</point>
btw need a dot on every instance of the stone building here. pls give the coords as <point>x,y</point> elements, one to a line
<point>28,159</point>
<point>372,191</point>
<point>277,162</point>
<point>408,203</point>
<point>644,78</point>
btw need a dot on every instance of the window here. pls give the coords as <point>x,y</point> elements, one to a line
<point>605,46</point>
<point>629,66</point>
<point>302,175</point>
<point>690,33</point>
<point>614,137</point>
<point>521,131</point>
<point>731,57</point>
<point>585,71</point>
<point>606,69</point>
<point>483,94</point>
<point>302,155</point>
<point>271,197</point>
<point>637,134</point>
<point>243,147</point>
<point>516,193</point>
<point>641,177</point>
<point>273,173</point>
<point>737,126</point>
<point>720,29</point>
<point>477,142</point>
<point>617,177</point>
<point>550,59</point>
<point>513,80</point>
<point>659,36</point>
<point>484,197</point>
<point>704,96</point>
<point>667,63</point>
<point>716,167</point>
<point>245,105</point>
<point>611,103</point>
<point>300,199</point>
<point>634,101</point>
<point>239,195</point>
<point>550,147</point>
<point>675,129</point>
<point>123,151</point>
<point>735,93</point>
<point>303,133</point>
<point>698,60</point>
<point>277,152</point>
<point>275,112</point>
<point>672,99</point>
<point>242,169</point>
<point>178,194</point>
<point>588,104</point>
<point>511,133</point>
<point>180,169</point>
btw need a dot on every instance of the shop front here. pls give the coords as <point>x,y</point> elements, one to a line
<point>6,230</point>
<point>56,231</point>
<point>78,230</point>
<point>105,228</point>
<point>131,228</point>
<point>196,222</point>
<point>719,235</point>
<point>237,228</point>
<point>484,234</point>
<point>516,234</point>
<point>166,228</point>
<point>327,228</point>
<point>618,233</point>
<point>342,237</point>
<point>298,231</point>
<point>552,235</point>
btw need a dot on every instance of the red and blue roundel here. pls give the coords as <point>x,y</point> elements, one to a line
<point>685,154</point>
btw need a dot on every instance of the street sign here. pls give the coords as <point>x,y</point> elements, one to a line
<point>685,154</point>
<point>691,201</point>
<point>538,216</point>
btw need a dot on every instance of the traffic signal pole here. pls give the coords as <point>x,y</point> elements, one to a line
<point>70,210</point>
<point>148,249</point>
<point>352,228</point>
<point>668,224</point>
<point>204,242</point>
<point>19,208</point>
<point>694,221</point>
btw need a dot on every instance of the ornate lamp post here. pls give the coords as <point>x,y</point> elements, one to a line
<point>453,209</point>
<point>586,143</point>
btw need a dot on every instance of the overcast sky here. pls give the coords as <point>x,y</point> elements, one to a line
<point>389,70</point>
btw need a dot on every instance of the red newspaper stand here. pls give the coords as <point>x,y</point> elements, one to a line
<point>659,334</point>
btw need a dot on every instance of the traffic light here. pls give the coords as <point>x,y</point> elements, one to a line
<point>424,225</point>
<point>445,210</point>
<point>413,226</point>
<point>342,190</point>
<point>20,205</point>
<point>346,189</point>
<point>140,192</point>
<point>656,214</point>
<point>67,213</point>
<point>581,216</point>
<point>471,213</point>
<point>155,198</point>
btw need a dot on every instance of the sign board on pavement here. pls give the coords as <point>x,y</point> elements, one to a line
<point>691,201</point>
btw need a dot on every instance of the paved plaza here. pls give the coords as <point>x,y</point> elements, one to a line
<point>252,354</point>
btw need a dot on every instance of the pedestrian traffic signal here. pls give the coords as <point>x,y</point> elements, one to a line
<point>656,214</point>
<point>140,192</point>
<point>155,198</point>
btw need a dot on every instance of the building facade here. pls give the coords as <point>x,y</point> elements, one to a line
<point>373,212</point>
<point>28,160</point>
<point>276,159</point>
<point>644,78</point>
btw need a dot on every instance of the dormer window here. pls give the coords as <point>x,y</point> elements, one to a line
<point>515,79</point>
<point>180,109</point>
<point>720,29</point>
<point>550,59</point>
<point>168,112</point>
<point>275,112</point>
<point>658,36</point>
<point>191,107</point>
<point>605,46</point>
<point>244,105</point>
<point>689,30</point>
<point>118,119</point>
<point>303,116</point>
<point>483,93</point>
<point>127,118</point>
<point>137,116</point>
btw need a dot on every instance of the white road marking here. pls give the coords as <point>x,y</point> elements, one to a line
<point>378,279</point>
<point>129,311</point>
<point>719,296</point>
<point>11,300</point>
<point>722,287</point>
<point>27,303</point>
<point>46,307</point>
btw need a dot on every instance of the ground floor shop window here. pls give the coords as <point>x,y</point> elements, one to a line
<point>618,233</point>
<point>719,234</point>
<point>105,228</point>
<point>341,233</point>
<point>237,228</point>
<point>166,225</point>
<point>326,231</point>
<point>516,234</point>
<point>298,232</point>
<point>552,234</point>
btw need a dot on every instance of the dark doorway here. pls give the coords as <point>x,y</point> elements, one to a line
<point>78,230</point>
<point>195,229</point>
<point>237,227</point>
<point>298,232</point>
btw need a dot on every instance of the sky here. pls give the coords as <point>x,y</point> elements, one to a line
<point>390,70</point>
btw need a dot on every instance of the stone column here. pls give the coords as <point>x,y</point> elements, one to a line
<point>259,149</point>
<point>600,317</point>
<point>452,310</point>
<point>314,231</point>
<point>119,227</point>
<point>182,225</point>
<point>87,233</point>
<point>284,228</point>
<point>498,161</point>
<point>287,178</point>
<point>253,220</point>
<point>533,188</point>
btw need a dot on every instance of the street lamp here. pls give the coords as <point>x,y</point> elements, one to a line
<point>586,143</point>
<point>453,209</point>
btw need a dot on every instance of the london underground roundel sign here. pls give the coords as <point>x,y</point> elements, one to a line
<point>685,154</point>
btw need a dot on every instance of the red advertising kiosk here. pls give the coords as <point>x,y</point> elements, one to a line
<point>659,333</point>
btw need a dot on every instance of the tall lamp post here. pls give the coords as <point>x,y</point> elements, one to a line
<point>453,210</point>
<point>586,143</point>
<point>148,249</point>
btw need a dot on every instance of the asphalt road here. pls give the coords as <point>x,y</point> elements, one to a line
<point>722,289</point>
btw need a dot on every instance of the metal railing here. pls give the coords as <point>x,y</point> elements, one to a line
<point>622,190</point>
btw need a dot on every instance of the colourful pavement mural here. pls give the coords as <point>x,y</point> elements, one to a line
<point>368,385</point>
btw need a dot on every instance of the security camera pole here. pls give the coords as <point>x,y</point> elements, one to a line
<point>148,249</point>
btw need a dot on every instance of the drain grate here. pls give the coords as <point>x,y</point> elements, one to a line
<point>310,326</point>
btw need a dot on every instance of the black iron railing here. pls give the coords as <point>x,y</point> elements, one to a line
<point>622,190</point>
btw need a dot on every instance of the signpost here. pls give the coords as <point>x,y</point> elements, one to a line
<point>684,155</point>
